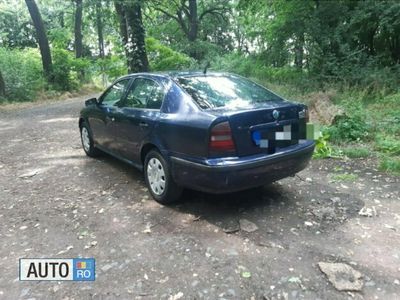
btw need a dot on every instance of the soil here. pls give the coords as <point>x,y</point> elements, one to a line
<point>57,202</point>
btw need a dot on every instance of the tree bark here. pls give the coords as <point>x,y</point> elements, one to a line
<point>42,39</point>
<point>299,51</point>
<point>99,24</point>
<point>133,34</point>
<point>193,21</point>
<point>123,29</point>
<point>78,29</point>
<point>61,19</point>
<point>2,86</point>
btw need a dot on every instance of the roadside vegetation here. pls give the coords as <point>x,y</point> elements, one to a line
<point>346,51</point>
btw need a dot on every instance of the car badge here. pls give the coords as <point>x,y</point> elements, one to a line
<point>275,114</point>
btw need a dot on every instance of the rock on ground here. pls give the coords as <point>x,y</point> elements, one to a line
<point>342,276</point>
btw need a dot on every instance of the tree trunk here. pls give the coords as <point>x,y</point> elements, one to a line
<point>2,86</point>
<point>99,24</point>
<point>299,51</point>
<point>61,19</point>
<point>133,35</point>
<point>193,21</point>
<point>123,28</point>
<point>42,39</point>
<point>78,29</point>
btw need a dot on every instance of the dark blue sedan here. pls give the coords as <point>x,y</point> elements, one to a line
<point>211,132</point>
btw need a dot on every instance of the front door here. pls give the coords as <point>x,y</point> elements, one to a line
<point>102,122</point>
<point>140,110</point>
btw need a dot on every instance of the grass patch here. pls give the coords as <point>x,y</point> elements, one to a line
<point>356,152</point>
<point>344,177</point>
<point>387,144</point>
<point>390,164</point>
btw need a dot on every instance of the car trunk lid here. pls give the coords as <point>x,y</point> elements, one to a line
<point>263,129</point>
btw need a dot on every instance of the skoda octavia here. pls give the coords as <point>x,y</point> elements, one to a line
<point>211,132</point>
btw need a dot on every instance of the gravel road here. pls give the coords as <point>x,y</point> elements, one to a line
<point>264,243</point>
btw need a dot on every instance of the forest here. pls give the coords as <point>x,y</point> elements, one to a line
<point>346,52</point>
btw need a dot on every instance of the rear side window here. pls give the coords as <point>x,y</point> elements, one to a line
<point>115,93</point>
<point>144,93</point>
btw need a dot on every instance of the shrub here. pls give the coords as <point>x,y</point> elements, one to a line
<point>67,70</point>
<point>322,148</point>
<point>349,128</point>
<point>391,164</point>
<point>162,58</point>
<point>22,73</point>
<point>235,63</point>
<point>388,144</point>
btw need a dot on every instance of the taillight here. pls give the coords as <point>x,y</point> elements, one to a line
<point>221,138</point>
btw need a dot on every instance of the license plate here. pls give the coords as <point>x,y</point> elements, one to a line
<point>279,133</point>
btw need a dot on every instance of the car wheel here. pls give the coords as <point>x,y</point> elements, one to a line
<point>87,141</point>
<point>159,180</point>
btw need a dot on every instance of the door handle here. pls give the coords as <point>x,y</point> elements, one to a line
<point>143,124</point>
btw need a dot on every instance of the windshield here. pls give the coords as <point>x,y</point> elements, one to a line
<point>226,91</point>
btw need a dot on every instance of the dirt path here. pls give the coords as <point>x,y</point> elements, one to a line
<point>56,202</point>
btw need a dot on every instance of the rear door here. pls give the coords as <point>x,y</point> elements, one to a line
<point>101,122</point>
<point>140,111</point>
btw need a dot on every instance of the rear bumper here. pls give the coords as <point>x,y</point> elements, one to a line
<point>224,175</point>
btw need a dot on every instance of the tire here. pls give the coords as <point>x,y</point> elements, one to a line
<point>87,141</point>
<point>159,180</point>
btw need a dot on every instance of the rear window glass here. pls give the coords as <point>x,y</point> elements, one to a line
<point>212,91</point>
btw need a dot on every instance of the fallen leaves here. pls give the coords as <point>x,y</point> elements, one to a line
<point>368,212</point>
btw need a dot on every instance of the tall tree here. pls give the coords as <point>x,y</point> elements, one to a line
<point>78,29</point>
<point>42,39</point>
<point>188,14</point>
<point>2,86</point>
<point>133,34</point>
<point>99,25</point>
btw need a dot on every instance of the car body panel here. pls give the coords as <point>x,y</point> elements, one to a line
<point>235,174</point>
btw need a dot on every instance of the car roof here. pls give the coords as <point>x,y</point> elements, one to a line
<point>176,74</point>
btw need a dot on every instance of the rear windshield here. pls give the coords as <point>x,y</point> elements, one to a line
<point>212,91</point>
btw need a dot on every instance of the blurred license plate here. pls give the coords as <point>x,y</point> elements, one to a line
<point>280,133</point>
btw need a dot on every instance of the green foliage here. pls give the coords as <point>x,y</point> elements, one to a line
<point>163,58</point>
<point>349,128</point>
<point>356,152</point>
<point>388,144</point>
<point>22,72</point>
<point>67,69</point>
<point>60,38</point>
<point>253,66</point>
<point>344,177</point>
<point>111,66</point>
<point>234,62</point>
<point>322,147</point>
<point>390,164</point>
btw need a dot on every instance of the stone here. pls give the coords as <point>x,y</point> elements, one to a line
<point>342,276</point>
<point>247,226</point>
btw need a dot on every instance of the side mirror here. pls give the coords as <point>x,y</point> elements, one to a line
<point>91,101</point>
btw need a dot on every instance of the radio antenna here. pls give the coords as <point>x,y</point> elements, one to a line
<point>206,67</point>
